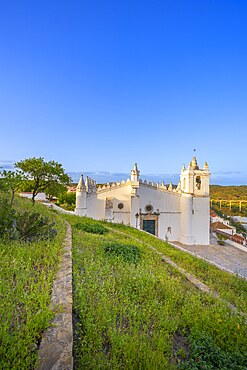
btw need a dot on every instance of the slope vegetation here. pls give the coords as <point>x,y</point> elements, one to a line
<point>134,311</point>
<point>27,270</point>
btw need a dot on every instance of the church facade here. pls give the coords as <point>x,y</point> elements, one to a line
<point>179,214</point>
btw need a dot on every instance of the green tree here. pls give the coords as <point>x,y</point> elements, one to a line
<point>67,200</point>
<point>54,190</point>
<point>43,176</point>
<point>12,181</point>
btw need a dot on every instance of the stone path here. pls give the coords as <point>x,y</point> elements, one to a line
<point>55,351</point>
<point>226,257</point>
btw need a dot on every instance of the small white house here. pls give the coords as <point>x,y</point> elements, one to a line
<point>220,226</point>
<point>40,196</point>
<point>216,218</point>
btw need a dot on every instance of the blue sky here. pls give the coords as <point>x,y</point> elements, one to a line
<point>99,85</point>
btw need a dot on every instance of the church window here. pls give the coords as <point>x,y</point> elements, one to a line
<point>149,208</point>
<point>198,182</point>
<point>120,205</point>
<point>169,229</point>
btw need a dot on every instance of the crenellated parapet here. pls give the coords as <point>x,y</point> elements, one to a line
<point>113,185</point>
<point>90,185</point>
<point>162,186</point>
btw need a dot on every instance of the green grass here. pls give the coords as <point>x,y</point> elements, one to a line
<point>230,287</point>
<point>90,227</point>
<point>145,315</point>
<point>27,271</point>
<point>131,309</point>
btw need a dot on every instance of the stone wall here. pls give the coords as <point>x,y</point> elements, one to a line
<point>56,347</point>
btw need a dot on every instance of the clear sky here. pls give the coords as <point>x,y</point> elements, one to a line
<point>98,85</point>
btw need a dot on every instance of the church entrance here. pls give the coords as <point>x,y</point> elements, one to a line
<point>149,226</point>
<point>149,223</point>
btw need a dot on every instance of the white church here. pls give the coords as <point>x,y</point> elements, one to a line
<point>180,214</point>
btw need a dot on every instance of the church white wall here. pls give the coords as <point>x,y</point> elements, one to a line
<point>167,204</point>
<point>201,220</point>
<point>162,200</point>
<point>169,226</point>
<point>81,204</point>
<point>186,207</point>
<point>96,204</point>
<point>95,207</point>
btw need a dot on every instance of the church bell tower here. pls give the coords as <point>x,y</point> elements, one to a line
<point>194,204</point>
<point>194,180</point>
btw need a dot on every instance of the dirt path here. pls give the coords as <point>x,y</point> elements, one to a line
<point>226,257</point>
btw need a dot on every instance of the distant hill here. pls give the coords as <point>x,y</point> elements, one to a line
<point>224,179</point>
<point>228,192</point>
<point>102,177</point>
<point>229,178</point>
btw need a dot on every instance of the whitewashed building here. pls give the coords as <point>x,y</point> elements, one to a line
<point>179,214</point>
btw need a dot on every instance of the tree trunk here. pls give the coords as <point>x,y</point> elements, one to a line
<point>33,198</point>
<point>12,197</point>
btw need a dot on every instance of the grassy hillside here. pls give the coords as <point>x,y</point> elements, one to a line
<point>218,192</point>
<point>131,309</point>
<point>134,311</point>
<point>228,192</point>
<point>26,275</point>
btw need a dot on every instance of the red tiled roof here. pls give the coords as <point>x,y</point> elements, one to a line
<point>220,226</point>
<point>237,238</point>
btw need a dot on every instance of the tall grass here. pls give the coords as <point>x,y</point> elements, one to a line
<point>145,315</point>
<point>229,286</point>
<point>27,271</point>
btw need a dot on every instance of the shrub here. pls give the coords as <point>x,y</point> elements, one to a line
<point>26,226</point>
<point>7,218</point>
<point>204,354</point>
<point>221,238</point>
<point>91,228</point>
<point>32,226</point>
<point>129,253</point>
<point>68,198</point>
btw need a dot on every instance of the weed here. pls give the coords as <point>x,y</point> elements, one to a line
<point>7,217</point>
<point>91,228</point>
<point>32,226</point>
<point>205,354</point>
<point>129,253</point>
<point>140,315</point>
<point>27,271</point>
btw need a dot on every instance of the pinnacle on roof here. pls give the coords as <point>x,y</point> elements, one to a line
<point>135,173</point>
<point>170,187</point>
<point>194,164</point>
<point>135,168</point>
<point>81,184</point>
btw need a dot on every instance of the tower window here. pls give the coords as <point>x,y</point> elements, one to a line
<point>184,184</point>
<point>198,182</point>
